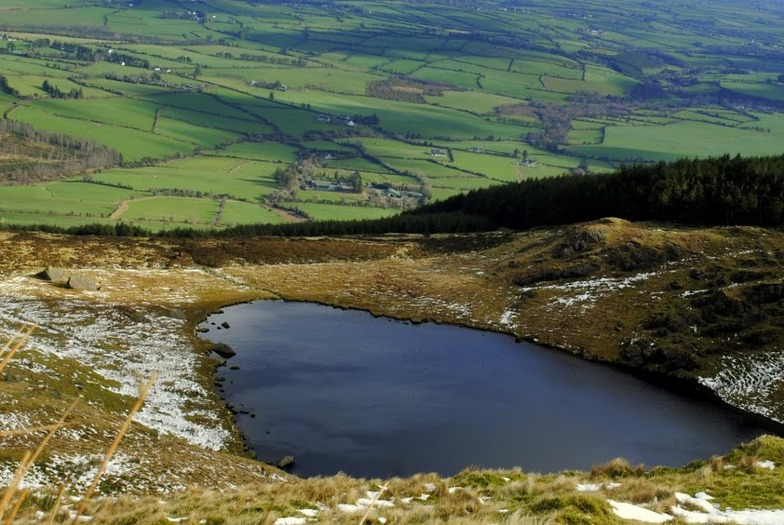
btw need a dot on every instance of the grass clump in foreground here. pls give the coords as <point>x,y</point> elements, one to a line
<point>509,497</point>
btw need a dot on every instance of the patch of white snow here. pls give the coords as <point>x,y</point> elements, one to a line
<point>627,511</point>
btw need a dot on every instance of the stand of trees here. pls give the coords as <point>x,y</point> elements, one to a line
<point>6,88</point>
<point>56,92</point>
<point>715,191</point>
<point>35,155</point>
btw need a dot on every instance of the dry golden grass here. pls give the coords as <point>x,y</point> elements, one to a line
<point>14,344</point>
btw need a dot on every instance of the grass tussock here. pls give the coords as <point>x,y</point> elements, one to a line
<point>617,468</point>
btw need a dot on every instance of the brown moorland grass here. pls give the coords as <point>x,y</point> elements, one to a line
<point>478,272</point>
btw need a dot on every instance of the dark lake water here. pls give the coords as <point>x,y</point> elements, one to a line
<point>372,397</point>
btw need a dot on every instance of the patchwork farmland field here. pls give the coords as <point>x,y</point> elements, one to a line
<point>241,112</point>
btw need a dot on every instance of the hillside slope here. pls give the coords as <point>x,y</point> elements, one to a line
<point>702,305</point>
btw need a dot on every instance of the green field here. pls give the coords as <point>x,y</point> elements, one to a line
<point>214,102</point>
<point>199,212</point>
<point>60,199</point>
<point>338,212</point>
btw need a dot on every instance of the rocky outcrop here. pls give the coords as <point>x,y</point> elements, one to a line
<point>636,256</point>
<point>646,355</point>
<point>223,350</point>
<point>82,283</point>
<point>578,242</point>
<point>54,274</point>
<point>554,274</point>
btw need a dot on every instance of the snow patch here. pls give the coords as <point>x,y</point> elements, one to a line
<point>627,511</point>
<point>124,351</point>
<point>585,293</point>
<point>751,382</point>
<point>291,521</point>
<point>710,513</point>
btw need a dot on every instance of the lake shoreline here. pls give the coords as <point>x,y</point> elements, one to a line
<point>692,389</point>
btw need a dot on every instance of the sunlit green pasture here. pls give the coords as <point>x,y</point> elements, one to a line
<point>37,218</point>
<point>341,212</point>
<point>141,21</point>
<point>329,196</point>
<point>268,151</point>
<point>63,198</point>
<point>684,139</point>
<point>117,111</point>
<point>465,183</point>
<point>13,64</point>
<point>386,178</point>
<point>132,143</point>
<point>357,163</point>
<point>323,79</point>
<point>462,79</point>
<point>117,87</point>
<point>328,146</point>
<point>473,101</point>
<point>494,167</point>
<point>402,66</point>
<point>425,167</point>
<point>439,193</point>
<point>53,16</point>
<point>217,175</point>
<point>395,148</point>
<point>6,101</point>
<point>197,212</point>
<point>586,136</point>
<point>31,86</point>
<point>237,212</point>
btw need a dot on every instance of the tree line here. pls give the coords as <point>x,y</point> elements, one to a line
<point>56,92</point>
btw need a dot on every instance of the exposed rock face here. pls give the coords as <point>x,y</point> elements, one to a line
<point>578,242</point>
<point>82,283</point>
<point>55,274</point>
